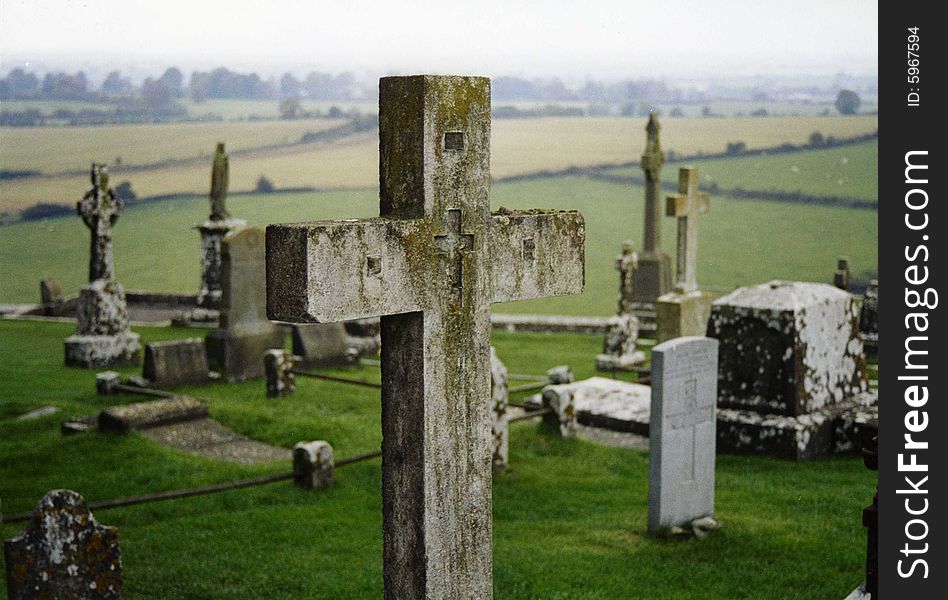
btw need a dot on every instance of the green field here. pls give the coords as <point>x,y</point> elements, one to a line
<point>518,146</point>
<point>569,516</point>
<point>741,242</point>
<point>846,171</point>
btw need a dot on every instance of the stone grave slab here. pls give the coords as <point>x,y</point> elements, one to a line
<point>143,415</point>
<point>601,402</point>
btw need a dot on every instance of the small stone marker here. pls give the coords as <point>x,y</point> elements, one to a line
<point>102,334</point>
<point>313,465</point>
<point>155,413</point>
<point>500,420</point>
<point>652,278</point>
<point>685,311</point>
<point>236,347</point>
<point>174,363</point>
<point>430,267</point>
<point>213,230</point>
<point>323,345</point>
<point>682,432</point>
<point>619,350</point>
<point>63,553</point>
<point>843,277</point>
<point>278,366</point>
<point>791,361</point>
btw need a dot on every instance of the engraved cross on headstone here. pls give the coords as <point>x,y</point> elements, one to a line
<point>100,209</point>
<point>687,205</point>
<point>220,177</point>
<point>430,266</point>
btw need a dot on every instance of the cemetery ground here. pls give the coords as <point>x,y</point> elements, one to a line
<point>742,242</point>
<point>569,516</point>
<point>172,158</point>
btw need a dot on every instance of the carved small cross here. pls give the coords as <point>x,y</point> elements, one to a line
<point>686,206</point>
<point>454,245</point>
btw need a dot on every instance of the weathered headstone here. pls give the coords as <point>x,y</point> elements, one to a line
<point>791,361</point>
<point>173,363</point>
<point>213,230</point>
<point>652,278</point>
<point>63,553</point>
<point>430,267</point>
<point>235,349</point>
<point>313,464</point>
<point>619,350</point>
<point>685,311</point>
<point>323,345</point>
<point>869,318</point>
<point>500,420</point>
<point>682,432</point>
<point>50,291</point>
<point>278,367</point>
<point>843,277</point>
<point>102,334</point>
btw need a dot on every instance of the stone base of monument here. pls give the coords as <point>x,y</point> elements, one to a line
<point>682,314</point>
<point>89,351</point>
<point>619,350</point>
<point>623,362</point>
<point>238,355</point>
<point>652,276</point>
<point>839,428</point>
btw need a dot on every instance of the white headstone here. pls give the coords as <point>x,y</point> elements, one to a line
<point>682,432</point>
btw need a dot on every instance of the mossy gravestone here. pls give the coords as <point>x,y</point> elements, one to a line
<point>236,348</point>
<point>102,335</point>
<point>430,267</point>
<point>63,553</point>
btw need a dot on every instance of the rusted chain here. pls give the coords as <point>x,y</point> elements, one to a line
<point>358,458</point>
<point>377,386</point>
<point>528,386</point>
<point>143,391</point>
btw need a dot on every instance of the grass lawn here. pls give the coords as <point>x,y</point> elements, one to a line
<point>569,516</point>
<point>740,242</point>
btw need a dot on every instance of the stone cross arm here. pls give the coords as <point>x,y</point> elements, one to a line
<point>329,271</point>
<point>677,206</point>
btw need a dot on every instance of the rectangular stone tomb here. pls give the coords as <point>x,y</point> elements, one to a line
<point>682,440</point>
<point>176,362</point>
<point>142,415</point>
<point>602,402</point>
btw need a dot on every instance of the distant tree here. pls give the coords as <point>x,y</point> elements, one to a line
<point>174,79</point>
<point>290,108</point>
<point>335,112</point>
<point>123,191</point>
<point>760,112</point>
<point>116,85</point>
<point>706,111</point>
<point>18,84</point>
<point>817,139</point>
<point>264,185</point>
<point>676,112</point>
<point>158,94</point>
<point>62,86</point>
<point>290,86</point>
<point>847,102</point>
<point>736,147</point>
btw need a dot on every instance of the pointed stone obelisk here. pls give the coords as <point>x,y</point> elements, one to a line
<point>652,277</point>
<point>213,230</point>
<point>102,335</point>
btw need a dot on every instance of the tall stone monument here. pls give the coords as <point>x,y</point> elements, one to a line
<point>619,350</point>
<point>685,311</point>
<point>682,432</point>
<point>102,334</point>
<point>235,349</point>
<point>213,230</point>
<point>430,266</point>
<point>652,278</point>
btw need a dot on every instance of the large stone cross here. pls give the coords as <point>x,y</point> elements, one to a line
<point>220,177</point>
<point>430,267</point>
<point>687,205</point>
<point>652,160</point>
<point>100,209</point>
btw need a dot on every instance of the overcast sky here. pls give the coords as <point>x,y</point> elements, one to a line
<point>601,39</point>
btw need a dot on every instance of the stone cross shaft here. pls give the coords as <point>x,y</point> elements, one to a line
<point>220,177</point>
<point>100,209</point>
<point>626,264</point>
<point>430,266</point>
<point>687,205</point>
<point>652,160</point>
